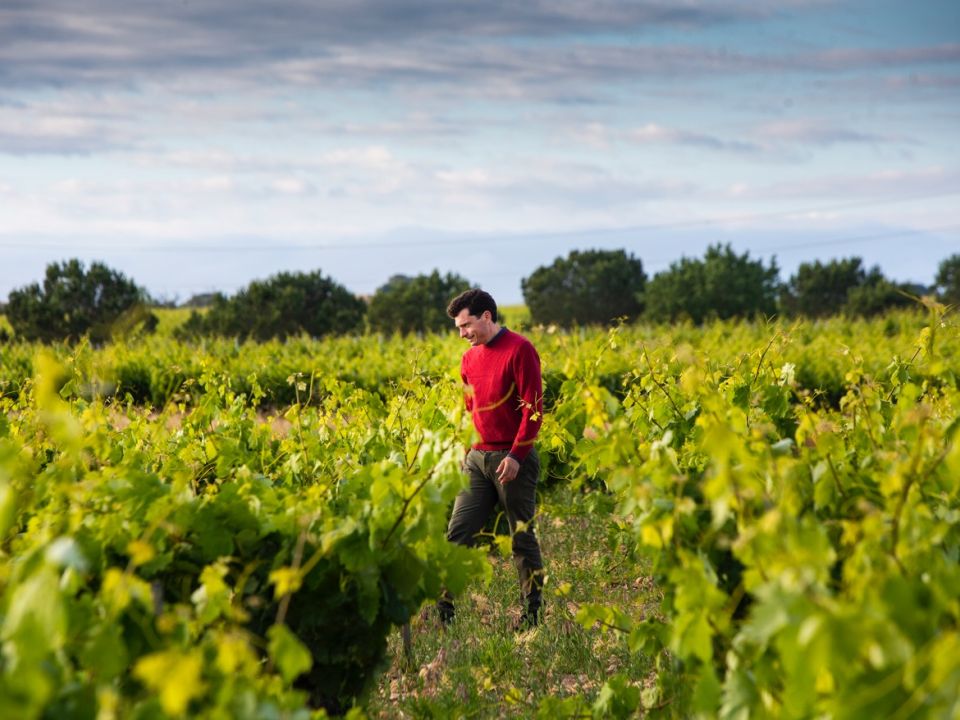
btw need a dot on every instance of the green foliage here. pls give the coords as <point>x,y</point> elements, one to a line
<point>820,289</point>
<point>792,489</point>
<point>284,305</point>
<point>948,280</point>
<point>807,555</point>
<point>877,295</point>
<point>169,319</point>
<point>414,304</point>
<point>201,564</point>
<point>721,285</point>
<point>155,371</point>
<point>842,286</point>
<point>74,302</point>
<point>585,288</point>
<point>515,316</point>
<point>6,331</point>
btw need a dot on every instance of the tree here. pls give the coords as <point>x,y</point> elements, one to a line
<point>74,301</point>
<point>876,294</point>
<point>820,289</point>
<point>589,287</point>
<point>283,305</point>
<point>721,285</point>
<point>948,280</point>
<point>414,304</point>
<point>843,286</point>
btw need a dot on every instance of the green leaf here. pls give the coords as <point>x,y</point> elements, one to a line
<point>463,564</point>
<point>740,697</point>
<point>405,571</point>
<point>554,708</point>
<point>692,636</point>
<point>286,580</point>
<point>617,699</point>
<point>706,693</point>
<point>119,589</point>
<point>767,618</point>
<point>104,652</point>
<point>175,676</point>
<point>36,620</point>
<point>212,599</point>
<point>609,618</point>
<point>8,507</point>
<point>289,655</point>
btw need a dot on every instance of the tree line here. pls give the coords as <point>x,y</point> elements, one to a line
<point>584,288</point>
<point>598,286</point>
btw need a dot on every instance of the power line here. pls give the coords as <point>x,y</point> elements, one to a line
<point>499,238</point>
<point>861,238</point>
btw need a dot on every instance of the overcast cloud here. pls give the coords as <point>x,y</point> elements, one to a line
<point>200,144</point>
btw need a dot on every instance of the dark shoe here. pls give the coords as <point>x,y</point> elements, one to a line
<point>445,611</point>
<point>531,618</point>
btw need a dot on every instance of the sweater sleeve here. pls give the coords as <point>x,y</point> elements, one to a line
<point>467,389</point>
<point>526,371</point>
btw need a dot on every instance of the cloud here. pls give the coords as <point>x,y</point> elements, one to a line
<point>26,133</point>
<point>217,184</point>
<point>58,42</point>
<point>933,181</point>
<point>292,186</point>
<point>844,59</point>
<point>815,132</point>
<point>561,187</point>
<point>502,46</point>
<point>770,139</point>
<point>658,134</point>
<point>601,136</point>
<point>923,80</point>
<point>373,159</point>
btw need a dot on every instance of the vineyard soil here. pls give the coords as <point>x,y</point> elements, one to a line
<point>481,668</point>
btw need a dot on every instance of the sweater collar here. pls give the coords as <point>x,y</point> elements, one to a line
<point>496,337</point>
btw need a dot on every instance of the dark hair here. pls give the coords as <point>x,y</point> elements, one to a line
<point>476,301</point>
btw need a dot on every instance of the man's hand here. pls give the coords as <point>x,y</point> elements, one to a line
<point>507,469</point>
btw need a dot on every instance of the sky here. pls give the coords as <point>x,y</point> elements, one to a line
<point>196,145</point>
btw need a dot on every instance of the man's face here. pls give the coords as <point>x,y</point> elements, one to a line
<point>476,330</point>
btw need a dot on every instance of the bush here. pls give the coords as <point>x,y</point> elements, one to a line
<point>722,285</point>
<point>948,280</point>
<point>820,289</point>
<point>73,302</point>
<point>284,305</point>
<point>876,294</point>
<point>589,287</point>
<point>414,304</point>
<point>842,286</point>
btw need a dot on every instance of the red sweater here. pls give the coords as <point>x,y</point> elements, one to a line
<point>504,393</point>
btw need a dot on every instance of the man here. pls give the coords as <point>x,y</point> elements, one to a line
<point>503,391</point>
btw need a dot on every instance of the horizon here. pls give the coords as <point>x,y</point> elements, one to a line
<point>184,302</point>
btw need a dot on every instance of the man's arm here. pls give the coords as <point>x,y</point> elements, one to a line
<point>467,389</point>
<point>526,371</point>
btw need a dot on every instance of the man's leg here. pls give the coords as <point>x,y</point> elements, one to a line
<point>519,498</point>
<point>470,512</point>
